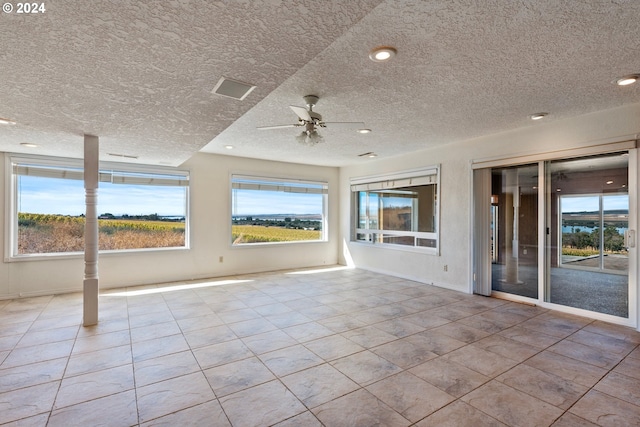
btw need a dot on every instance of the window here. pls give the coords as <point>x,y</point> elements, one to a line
<point>268,210</point>
<point>139,208</point>
<point>399,209</point>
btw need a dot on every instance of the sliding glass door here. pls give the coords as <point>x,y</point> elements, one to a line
<point>514,219</point>
<point>589,221</point>
<point>560,232</point>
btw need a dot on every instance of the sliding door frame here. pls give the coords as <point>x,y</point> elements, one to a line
<point>544,256</point>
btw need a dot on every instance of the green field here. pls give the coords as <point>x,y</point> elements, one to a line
<point>258,234</point>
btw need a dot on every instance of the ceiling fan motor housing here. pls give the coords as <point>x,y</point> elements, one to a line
<point>315,117</point>
<point>311,101</point>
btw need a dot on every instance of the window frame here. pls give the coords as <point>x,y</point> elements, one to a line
<point>268,179</point>
<point>415,177</point>
<point>106,170</point>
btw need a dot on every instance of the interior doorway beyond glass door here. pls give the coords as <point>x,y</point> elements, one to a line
<point>514,234</point>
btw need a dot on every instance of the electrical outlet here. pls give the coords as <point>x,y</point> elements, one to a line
<point>446,267</point>
<point>221,259</point>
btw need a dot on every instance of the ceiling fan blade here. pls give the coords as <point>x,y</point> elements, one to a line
<point>277,127</point>
<point>301,112</point>
<point>344,125</point>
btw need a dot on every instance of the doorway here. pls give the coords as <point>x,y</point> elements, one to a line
<point>514,219</point>
<point>560,233</point>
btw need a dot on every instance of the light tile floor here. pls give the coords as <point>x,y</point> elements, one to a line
<point>338,347</point>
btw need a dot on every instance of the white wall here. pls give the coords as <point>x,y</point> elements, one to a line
<point>455,215</point>
<point>210,215</point>
<point>210,238</point>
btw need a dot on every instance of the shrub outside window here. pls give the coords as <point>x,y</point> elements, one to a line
<point>399,210</point>
<point>273,210</point>
<point>139,208</point>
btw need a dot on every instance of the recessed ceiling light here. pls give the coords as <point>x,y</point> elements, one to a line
<point>628,80</point>
<point>29,144</point>
<point>364,131</point>
<point>382,53</point>
<point>6,121</point>
<point>229,147</point>
<point>538,116</point>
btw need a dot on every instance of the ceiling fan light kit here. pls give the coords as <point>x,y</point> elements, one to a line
<point>309,137</point>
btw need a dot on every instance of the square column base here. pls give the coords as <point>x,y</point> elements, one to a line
<point>90,300</point>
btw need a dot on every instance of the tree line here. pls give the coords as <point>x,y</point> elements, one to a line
<point>287,222</point>
<point>613,239</point>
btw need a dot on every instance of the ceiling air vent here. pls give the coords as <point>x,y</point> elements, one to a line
<point>232,88</point>
<point>124,156</point>
<point>369,154</point>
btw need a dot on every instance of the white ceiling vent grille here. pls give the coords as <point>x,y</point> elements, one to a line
<point>232,88</point>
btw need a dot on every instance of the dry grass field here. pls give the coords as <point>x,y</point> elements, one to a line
<point>38,233</point>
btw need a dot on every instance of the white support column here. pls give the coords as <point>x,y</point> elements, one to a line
<point>90,284</point>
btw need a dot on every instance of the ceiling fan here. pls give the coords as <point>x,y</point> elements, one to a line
<point>311,121</point>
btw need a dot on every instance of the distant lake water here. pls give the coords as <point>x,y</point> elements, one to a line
<point>571,228</point>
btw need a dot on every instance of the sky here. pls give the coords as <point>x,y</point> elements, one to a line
<point>592,203</point>
<point>256,202</point>
<point>66,197</point>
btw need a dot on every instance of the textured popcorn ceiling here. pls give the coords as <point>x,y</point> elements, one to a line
<point>139,74</point>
